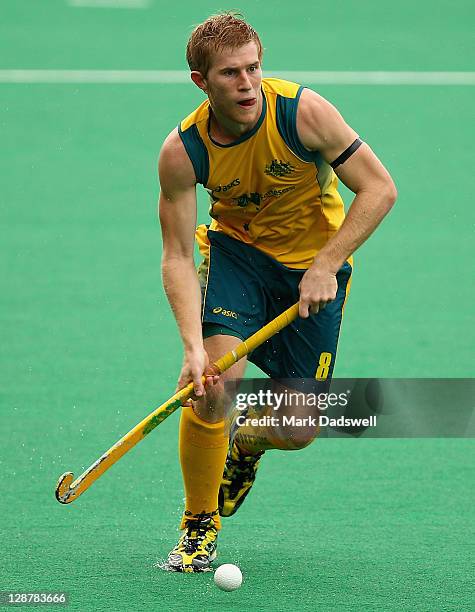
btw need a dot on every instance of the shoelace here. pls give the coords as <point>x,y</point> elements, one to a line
<point>195,533</point>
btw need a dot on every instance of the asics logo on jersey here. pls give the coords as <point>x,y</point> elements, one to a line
<point>219,188</point>
<point>225,313</point>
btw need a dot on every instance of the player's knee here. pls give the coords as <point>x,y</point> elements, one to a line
<point>300,437</point>
<point>299,423</point>
<point>212,407</point>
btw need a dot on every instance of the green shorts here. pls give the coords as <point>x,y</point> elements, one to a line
<point>243,289</point>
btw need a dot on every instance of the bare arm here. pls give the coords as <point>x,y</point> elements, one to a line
<point>321,127</point>
<point>177,212</point>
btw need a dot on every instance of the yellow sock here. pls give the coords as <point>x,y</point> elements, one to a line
<point>202,447</point>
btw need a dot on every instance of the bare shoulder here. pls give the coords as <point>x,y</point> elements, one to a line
<point>174,165</point>
<point>313,104</point>
<point>321,127</point>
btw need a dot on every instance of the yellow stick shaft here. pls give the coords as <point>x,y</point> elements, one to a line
<point>67,490</point>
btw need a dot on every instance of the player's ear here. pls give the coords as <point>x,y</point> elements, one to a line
<point>199,80</point>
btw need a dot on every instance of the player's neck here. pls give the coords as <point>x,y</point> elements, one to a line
<point>224,130</point>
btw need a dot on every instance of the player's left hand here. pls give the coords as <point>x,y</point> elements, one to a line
<point>317,288</point>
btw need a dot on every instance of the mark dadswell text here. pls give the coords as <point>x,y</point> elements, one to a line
<point>321,421</point>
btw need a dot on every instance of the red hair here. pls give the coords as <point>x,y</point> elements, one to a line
<point>225,30</point>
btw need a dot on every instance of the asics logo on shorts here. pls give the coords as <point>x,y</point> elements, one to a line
<point>225,313</point>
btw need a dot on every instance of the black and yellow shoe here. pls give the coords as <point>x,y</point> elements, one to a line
<point>238,477</point>
<point>196,548</point>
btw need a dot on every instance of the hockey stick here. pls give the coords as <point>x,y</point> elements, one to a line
<point>67,490</point>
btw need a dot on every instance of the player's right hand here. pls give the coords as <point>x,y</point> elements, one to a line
<point>195,364</point>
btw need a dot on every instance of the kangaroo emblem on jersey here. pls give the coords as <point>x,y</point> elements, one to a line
<point>278,167</point>
<point>248,198</point>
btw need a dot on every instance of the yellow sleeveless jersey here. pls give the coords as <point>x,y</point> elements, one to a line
<point>266,189</point>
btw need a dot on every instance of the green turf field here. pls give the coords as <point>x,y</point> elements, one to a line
<point>89,346</point>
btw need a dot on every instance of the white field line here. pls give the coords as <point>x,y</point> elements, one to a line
<point>182,76</point>
<point>113,4</point>
<point>380,78</point>
<point>94,76</point>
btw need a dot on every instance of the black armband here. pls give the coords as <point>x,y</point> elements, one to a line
<point>341,159</point>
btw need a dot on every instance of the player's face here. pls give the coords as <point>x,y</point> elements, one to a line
<point>233,84</point>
